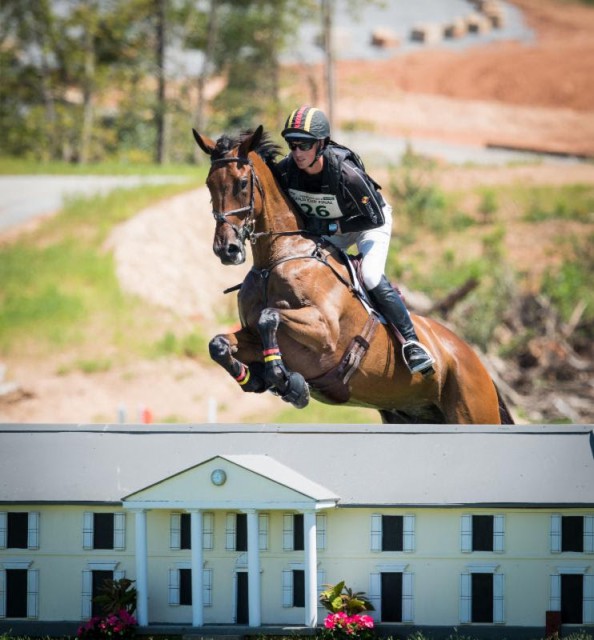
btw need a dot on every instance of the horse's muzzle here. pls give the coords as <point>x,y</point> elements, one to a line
<point>230,252</point>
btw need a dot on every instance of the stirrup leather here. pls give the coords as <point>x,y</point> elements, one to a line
<point>423,366</point>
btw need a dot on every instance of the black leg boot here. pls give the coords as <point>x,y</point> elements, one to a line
<point>390,305</point>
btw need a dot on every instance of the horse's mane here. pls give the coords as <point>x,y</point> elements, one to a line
<point>266,149</point>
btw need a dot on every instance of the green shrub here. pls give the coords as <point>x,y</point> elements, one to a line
<point>570,202</point>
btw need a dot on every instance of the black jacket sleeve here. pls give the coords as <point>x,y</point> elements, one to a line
<point>362,201</point>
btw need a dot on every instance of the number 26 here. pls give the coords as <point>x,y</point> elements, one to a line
<point>319,211</point>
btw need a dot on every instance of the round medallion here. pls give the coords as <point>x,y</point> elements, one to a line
<point>218,477</point>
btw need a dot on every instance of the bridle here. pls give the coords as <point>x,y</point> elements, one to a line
<point>246,230</point>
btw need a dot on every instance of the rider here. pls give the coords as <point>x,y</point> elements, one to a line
<point>341,202</point>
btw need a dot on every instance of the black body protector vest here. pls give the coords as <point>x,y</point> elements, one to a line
<point>343,191</point>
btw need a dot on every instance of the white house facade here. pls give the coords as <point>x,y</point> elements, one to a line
<point>243,525</point>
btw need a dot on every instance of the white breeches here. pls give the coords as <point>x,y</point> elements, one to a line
<point>373,245</point>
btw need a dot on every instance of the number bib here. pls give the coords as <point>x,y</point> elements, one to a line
<point>318,205</point>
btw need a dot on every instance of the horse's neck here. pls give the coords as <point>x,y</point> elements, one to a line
<point>277,216</point>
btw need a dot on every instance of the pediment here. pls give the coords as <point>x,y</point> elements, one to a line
<point>234,482</point>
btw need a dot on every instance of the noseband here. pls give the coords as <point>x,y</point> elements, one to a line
<point>246,230</point>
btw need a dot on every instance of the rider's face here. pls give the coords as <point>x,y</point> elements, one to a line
<point>304,158</point>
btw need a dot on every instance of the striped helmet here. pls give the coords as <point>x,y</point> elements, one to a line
<point>306,122</point>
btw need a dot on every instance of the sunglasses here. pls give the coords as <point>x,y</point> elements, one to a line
<point>302,146</point>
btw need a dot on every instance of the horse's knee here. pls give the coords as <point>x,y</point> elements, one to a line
<point>219,348</point>
<point>269,320</point>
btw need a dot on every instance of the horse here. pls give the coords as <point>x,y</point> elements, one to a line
<point>305,328</point>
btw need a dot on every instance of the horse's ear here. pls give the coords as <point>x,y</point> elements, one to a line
<point>251,142</point>
<point>206,144</point>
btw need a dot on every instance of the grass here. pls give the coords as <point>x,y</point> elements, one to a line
<point>320,413</point>
<point>59,283</point>
<point>23,166</point>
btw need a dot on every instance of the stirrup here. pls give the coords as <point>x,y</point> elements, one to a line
<point>426,366</point>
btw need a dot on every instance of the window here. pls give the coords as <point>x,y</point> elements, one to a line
<point>180,531</point>
<point>481,595</point>
<point>180,587</point>
<point>482,533</point>
<point>298,532</point>
<point>19,530</point>
<point>393,533</point>
<point>241,539</point>
<point>236,537</point>
<point>104,531</point>
<point>294,532</point>
<point>572,533</point>
<point>17,533</point>
<point>391,593</point>
<point>572,593</point>
<point>185,529</point>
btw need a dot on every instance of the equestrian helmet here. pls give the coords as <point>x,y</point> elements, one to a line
<point>306,123</point>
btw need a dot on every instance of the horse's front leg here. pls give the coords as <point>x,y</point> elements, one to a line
<point>290,385</point>
<point>249,377</point>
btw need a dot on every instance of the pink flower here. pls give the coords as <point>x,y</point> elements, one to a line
<point>366,621</point>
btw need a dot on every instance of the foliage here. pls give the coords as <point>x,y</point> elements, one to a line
<point>571,281</point>
<point>419,201</point>
<point>114,625</point>
<point>339,598</point>
<point>82,78</point>
<point>339,626</point>
<point>117,599</point>
<point>346,619</point>
<point>569,202</point>
<point>117,595</point>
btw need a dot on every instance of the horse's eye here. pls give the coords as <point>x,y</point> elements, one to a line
<point>243,182</point>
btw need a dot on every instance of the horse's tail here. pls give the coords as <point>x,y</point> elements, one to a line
<point>504,413</point>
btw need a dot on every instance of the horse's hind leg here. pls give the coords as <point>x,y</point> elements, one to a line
<point>470,399</point>
<point>290,385</point>
<point>249,378</point>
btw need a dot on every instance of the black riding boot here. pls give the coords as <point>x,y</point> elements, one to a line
<point>390,305</point>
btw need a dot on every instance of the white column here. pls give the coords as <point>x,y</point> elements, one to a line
<point>253,554</point>
<point>197,567</point>
<point>311,569</point>
<point>141,568</point>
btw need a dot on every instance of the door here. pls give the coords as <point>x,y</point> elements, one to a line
<point>242,615</point>
<point>391,597</point>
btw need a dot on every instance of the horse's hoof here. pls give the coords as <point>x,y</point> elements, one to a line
<point>297,391</point>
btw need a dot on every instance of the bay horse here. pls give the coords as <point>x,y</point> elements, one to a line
<point>304,328</point>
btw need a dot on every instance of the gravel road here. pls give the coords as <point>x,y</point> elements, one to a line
<point>23,198</point>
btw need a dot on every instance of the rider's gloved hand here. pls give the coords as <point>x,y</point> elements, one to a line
<point>321,227</point>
